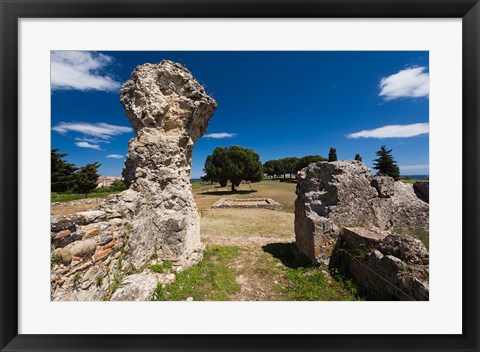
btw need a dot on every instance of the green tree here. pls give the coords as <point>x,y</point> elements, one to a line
<point>385,164</point>
<point>62,172</point>
<point>332,154</point>
<point>235,164</point>
<point>86,178</point>
<point>358,157</point>
<point>279,168</point>
<point>213,167</point>
<point>289,165</point>
<point>304,161</point>
<point>269,168</point>
<point>117,186</point>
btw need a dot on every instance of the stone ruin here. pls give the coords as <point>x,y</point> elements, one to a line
<point>388,265</point>
<point>258,203</point>
<point>339,205</point>
<point>155,219</point>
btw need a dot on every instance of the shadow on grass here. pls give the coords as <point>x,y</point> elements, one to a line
<point>288,254</point>
<point>223,193</point>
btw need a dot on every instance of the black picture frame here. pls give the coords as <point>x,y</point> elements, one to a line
<point>11,11</point>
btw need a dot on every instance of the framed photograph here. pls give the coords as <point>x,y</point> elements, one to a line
<point>239,176</point>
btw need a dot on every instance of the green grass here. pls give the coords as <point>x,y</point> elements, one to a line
<point>210,280</point>
<point>76,278</point>
<point>119,275</point>
<point>213,279</point>
<point>55,260</point>
<point>419,234</point>
<point>311,284</point>
<point>299,280</point>
<point>161,268</point>
<point>65,197</point>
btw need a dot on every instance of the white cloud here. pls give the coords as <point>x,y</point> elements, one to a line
<point>116,156</point>
<point>219,135</point>
<point>393,131</point>
<point>87,145</point>
<point>423,167</point>
<point>81,70</point>
<point>91,140</point>
<point>99,130</point>
<point>409,83</point>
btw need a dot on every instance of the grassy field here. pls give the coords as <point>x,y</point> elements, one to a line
<point>282,192</point>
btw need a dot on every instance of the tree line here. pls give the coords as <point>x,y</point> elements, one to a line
<point>234,164</point>
<point>66,177</point>
<point>237,164</point>
<point>289,165</point>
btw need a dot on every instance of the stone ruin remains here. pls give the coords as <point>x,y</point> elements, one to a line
<point>245,203</point>
<point>345,216</point>
<point>155,219</point>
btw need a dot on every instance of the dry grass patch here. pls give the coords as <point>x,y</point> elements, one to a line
<point>68,209</point>
<point>247,223</point>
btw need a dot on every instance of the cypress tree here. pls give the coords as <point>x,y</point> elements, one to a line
<point>332,154</point>
<point>62,172</point>
<point>385,164</point>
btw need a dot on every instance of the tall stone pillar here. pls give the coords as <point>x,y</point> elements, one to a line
<point>169,110</point>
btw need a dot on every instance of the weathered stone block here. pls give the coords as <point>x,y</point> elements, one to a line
<point>83,248</point>
<point>137,287</point>
<point>330,195</point>
<point>387,265</point>
<point>384,185</point>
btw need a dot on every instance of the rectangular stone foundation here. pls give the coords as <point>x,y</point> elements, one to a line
<point>264,203</point>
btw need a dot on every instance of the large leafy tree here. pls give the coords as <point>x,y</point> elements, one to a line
<point>62,172</point>
<point>303,162</point>
<point>385,164</point>
<point>235,164</point>
<point>332,154</point>
<point>86,178</point>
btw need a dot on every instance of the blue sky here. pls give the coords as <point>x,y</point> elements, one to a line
<point>278,103</point>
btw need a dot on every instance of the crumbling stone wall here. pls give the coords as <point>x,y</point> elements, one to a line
<point>333,195</point>
<point>387,265</point>
<point>341,214</point>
